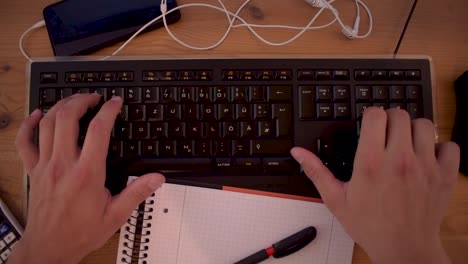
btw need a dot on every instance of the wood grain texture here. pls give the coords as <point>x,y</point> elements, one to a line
<point>436,30</point>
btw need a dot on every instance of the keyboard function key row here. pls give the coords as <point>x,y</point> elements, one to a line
<point>367,75</point>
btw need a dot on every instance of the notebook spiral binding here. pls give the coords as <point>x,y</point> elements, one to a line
<point>136,234</point>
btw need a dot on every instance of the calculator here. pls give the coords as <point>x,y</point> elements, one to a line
<point>10,232</point>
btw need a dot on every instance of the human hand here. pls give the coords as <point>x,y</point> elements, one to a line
<point>71,213</point>
<point>396,200</point>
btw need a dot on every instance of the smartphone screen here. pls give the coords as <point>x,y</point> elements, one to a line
<point>78,27</point>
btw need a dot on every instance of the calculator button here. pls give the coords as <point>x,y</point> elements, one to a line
<point>5,254</point>
<point>2,245</point>
<point>9,238</point>
<point>4,229</point>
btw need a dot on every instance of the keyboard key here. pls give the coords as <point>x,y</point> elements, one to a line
<point>278,93</point>
<point>150,95</point>
<point>191,112</point>
<point>101,91</point>
<point>413,92</point>
<point>197,165</point>
<point>212,130</point>
<point>221,148</point>
<point>133,95</point>
<point>5,254</point>
<point>243,112</point>
<point>186,76</point>
<point>398,106</point>
<point>256,94</point>
<point>277,165</point>
<point>149,76</point>
<point>266,129</point>
<point>208,112</point>
<point>324,111</point>
<point>323,93</point>
<point>203,148</point>
<point>414,110</point>
<point>266,75</point>
<point>282,114</point>
<point>154,112</point>
<point>132,149</point>
<point>107,76</point>
<point>187,95</point>
<point>168,76</point>
<point>360,108</point>
<point>363,93</point>
<point>158,130</point>
<point>230,130</point>
<point>123,114</point>
<point>204,94</point>
<point>116,92</point>
<point>379,75</point>
<point>397,93</point>
<point>239,94</point>
<point>177,129</point>
<point>305,75</point>
<point>204,76</point>
<point>91,77</point>
<point>168,94</point>
<point>248,130</point>
<point>248,75</point>
<point>125,76</point>
<point>73,77</point>
<point>240,148</point>
<point>226,112</point>
<point>230,75</point>
<point>195,130</point>
<point>221,94</point>
<point>270,147</point>
<point>186,148</point>
<point>167,148</point>
<point>383,106</point>
<point>122,130</point>
<point>67,92</point>
<point>48,77</point>
<point>284,75</point>
<point>249,165</point>
<point>413,75</point>
<point>342,111</point>
<point>140,130</point>
<point>173,112</point>
<point>116,149</point>
<point>340,93</point>
<point>395,75</point>
<point>341,75</point>
<point>47,96</point>
<point>380,92</point>
<point>362,75</point>
<point>150,148</point>
<point>261,111</point>
<point>225,165</point>
<point>322,75</point>
<point>136,112</point>
<point>306,102</point>
<point>80,90</point>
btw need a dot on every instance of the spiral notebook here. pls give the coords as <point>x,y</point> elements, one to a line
<point>186,224</point>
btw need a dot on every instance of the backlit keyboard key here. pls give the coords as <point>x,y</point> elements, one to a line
<point>284,75</point>
<point>126,76</point>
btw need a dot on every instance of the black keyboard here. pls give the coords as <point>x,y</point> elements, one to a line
<point>233,121</point>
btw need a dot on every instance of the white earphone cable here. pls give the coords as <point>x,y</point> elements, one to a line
<point>33,27</point>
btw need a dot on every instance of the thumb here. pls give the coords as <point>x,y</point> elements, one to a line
<point>135,193</point>
<point>330,188</point>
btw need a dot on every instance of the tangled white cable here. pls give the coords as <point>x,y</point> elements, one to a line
<point>232,17</point>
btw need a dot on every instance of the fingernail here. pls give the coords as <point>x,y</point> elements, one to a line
<point>116,98</point>
<point>36,112</point>
<point>154,183</point>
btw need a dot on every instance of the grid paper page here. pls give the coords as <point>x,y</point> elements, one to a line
<point>213,226</point>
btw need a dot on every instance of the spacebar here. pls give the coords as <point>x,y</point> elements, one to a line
<point>175,165</point>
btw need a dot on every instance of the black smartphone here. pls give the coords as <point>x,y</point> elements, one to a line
<point>80,27</point>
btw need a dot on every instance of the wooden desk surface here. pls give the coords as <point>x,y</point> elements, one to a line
<point>437,29</point>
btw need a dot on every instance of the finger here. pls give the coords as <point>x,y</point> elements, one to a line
<point>331,189</point>
<point>135,193</point>
<point>448,156</point>
<point>399,130</point>
<point>96,143</point>
<point>373,132</point>
<point>27,150</point>
<point>424,139</point>
<point>47,130</point>
<point>67,124</point>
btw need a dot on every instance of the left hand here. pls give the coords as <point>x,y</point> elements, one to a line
<point>71,213</point>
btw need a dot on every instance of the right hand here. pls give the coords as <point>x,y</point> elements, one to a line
<point>396,200</point>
